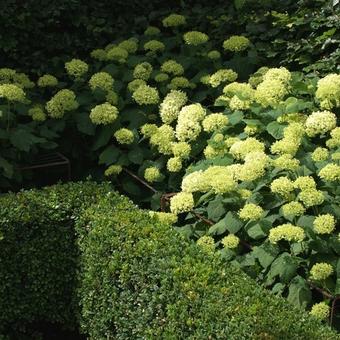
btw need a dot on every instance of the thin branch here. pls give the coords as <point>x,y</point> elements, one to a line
<point>140,180</point>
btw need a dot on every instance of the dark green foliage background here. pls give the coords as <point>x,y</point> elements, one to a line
<point>38,36</point>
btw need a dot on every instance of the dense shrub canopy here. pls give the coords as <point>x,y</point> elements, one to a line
<point>80,251</point>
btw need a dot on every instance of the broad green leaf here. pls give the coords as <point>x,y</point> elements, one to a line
<point>136,155</point>
<point>235,117</point>
<point>275,129</point>
<point>218,228</point>
<point>23,139</point>
<point>233,223</point>
<point>265,254</point>
<point>299,292</point>
<point>215,210</point>
<point>109,155</point>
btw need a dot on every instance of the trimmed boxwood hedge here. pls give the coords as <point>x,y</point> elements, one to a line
<point>80,252</point>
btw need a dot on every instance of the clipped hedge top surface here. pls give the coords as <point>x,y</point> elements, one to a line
<point>143,280</point>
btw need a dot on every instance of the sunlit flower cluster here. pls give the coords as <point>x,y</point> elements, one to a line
<point>101,80</point>
<point>146,95</point>
<point>103,114</point>
<point>142,71</point>
<point>324,224</point>
<point>230,241</point>
<point>222,76</point>
<point>174,20</point>
<point>124,136</point>
<point>320,311</point>
<point>181,202</point>
<point>171,105</point>
<point>152,174</point>
<point>12,93</point>
<point>195,38</point>
<point>63,101</point>
<point>328,91</point>
<point>320,122</point>
<point>287,232</point>
<point>47,80</point>
<point>172,67</point>
<point>76,68</point>
<point>320,271</point>
<point>236,43</point>
<point>250,212</point>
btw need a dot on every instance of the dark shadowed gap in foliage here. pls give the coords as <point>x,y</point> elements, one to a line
<point>47,331</point>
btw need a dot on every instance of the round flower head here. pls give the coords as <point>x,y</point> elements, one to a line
<point>282,186</point>
<point>171,105</point>
<point>130,45</point>
<point>304,183</point>
<point>219,179</point>
<point>250,130</point>
<point>37,114</point>
<point>134,84</point>
<point>195,38</point>
<point>241,148</point>
<point>124,136</point>
<point>117,54</point>
<point>207,244</point>
<point>244,193</point>
<point>179,83</point>
<point>101,80</point>
<point>334,142</point>
<point>194,182</point>
<point>320,154</point>
<point>311,197</point>
<point>154,46</point>
<point>76,68</point>
<point>285,146</point>
<point>281,74</point>
<point>174,20</point>
<point>12,93</point>
<point>6,75</point>
<point>320,271</point>
<point>163,217</point>
<point>99,54</point>
<point>161,77</point>
<point>328,91</point>
<point>236,43</point>
<point>286,162</point>
<point>151,30</point>
<point>47,80</point>
<point>231,241</point>
<point>174,164</point>
<point>172,67</point>
<point>214,122</point>
<point>320,122</point>
<point>148,130</point>
<point>113,170</point>
<point>251,212</point>
<point>222,76</point>
<point>181,149</point>
<point>142,71</point>
<point>64,100</point>
<point>214,55</point>
<point>324,224</point>
<point>146,95</point>
<point>152,174</point>
<point>181,202</point>
<point>103,114</point>
<point>320,311</point>
<point>330,172</point>
<point>112,97</point>
<point>188,127</point>
<point>163,139</point>
<point>242,90</point>
<point>23,81</point>
<point>270,92</point>
<point>293,209</point>
<point>286,232</point>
